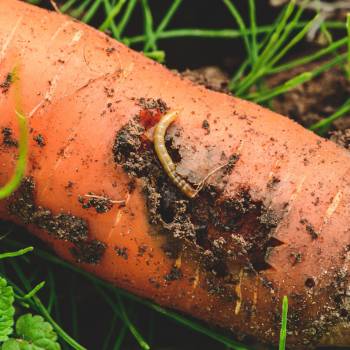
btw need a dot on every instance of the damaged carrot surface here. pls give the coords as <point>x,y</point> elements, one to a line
<point>273,222</point>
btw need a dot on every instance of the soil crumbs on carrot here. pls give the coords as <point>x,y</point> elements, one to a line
<point>7,138</point>
<point>63,226</point>
<point>205,227</point>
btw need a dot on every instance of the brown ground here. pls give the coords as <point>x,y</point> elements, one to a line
<point>306,104</point>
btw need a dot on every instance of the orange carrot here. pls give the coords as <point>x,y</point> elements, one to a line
<point>273,220</point>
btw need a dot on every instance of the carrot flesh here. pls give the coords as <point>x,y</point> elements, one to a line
<point>282,213</point>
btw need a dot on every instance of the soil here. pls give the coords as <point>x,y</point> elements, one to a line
<point>213,229</point>
<point>62,226</point>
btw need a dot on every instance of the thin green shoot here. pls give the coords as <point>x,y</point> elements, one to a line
<point>325,123</point>
<point>309,58</point>
<point>242,27</point>
<point>295,81</point>
<point>120,337</point>
<point>327,35</point>
<point>224,33</point>
<point>283,332</point>
<point>21,163</point>
<point>119,310</point>
<point>77,12</point>
<point>36,303</point>
<point>151,42</point>
<point>17,253</point>
<point>253,27</point>
<point>108,8</point>
<point>67,5</point>
<point>348,37</point>
<point>126,16</point>
<point>113,13</point>
<point>148,26</point>
<point>34,291</point>
<point>91,12</point>
<point>157,55</point>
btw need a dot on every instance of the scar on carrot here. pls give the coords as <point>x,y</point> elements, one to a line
<point>168,164</point>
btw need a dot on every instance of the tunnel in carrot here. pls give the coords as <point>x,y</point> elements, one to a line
<point>174,174</point>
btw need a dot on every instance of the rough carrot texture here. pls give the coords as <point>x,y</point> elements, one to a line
<point>274,221</point>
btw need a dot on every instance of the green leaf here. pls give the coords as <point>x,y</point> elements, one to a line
<point>7,310</point>
<point>36,331</point>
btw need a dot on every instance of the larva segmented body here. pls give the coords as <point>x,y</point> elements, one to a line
<point>164,157</point>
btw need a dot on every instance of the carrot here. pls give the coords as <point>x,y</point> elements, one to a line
<point>272,220</point>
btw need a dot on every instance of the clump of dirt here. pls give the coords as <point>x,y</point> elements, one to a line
<point>63,226</point>
<point>6,84</point>
<point>101,203</point>
<point>7,138</point>
<point>122,252</point>
<point>215,229</point>
<point>341,137</point>
<point>317,99</point>
<point>89,252</point>
<point>211,77</point>
<point>39,139</point>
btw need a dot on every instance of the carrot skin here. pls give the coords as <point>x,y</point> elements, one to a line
<point>282,212</point>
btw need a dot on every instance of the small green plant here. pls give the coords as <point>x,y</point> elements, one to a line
<point>283,332</point>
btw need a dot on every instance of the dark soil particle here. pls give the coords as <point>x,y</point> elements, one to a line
<point>310,282</point>
<point>6,84</point>
<point>206,126</point>
<point>211,77</point>
<point>62,226</point>
<point>215,230</point>
<point>89,252</point>
<point>102,204</point>
<point>150,103</point>
<point>314,100</point>
<point>174,274</point>
<point>39,139</point>
<point>122,252</point>
<point>7,138</point>
<point>341,137</point>
<point>310,229</point>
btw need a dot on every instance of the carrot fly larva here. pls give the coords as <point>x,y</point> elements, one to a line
<point>164,157</point>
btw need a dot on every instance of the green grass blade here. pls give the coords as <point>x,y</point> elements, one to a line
<point>148,26</point>
<point>91,12</point>
<point>120,338</point>
<point>108,8</point>
<point>242,27</point>
<point>292,83</point>
<point>326,122</point>
<point>271,47</point>
<point>283,333</point>
<point>348,37</point>
<point>295,40</point>
<point>67,5</point>
<point>157,55</point>
<point>309,58</point>
<point>113,13</point>
<point>163,24</point>
<point>21,164</point>
<point>126,16</point>
<point>17,253</point>
<point>81,9</point>
<point>252,17</point>
<point>35,290</point>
